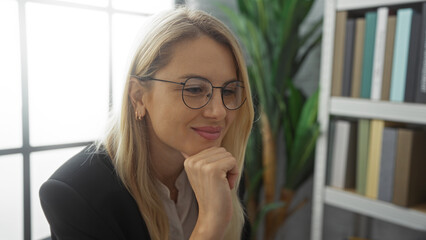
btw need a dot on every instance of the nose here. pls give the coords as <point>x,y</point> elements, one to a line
<point>215,108</point>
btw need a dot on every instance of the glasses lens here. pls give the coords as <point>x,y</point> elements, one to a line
<point>197,92</point>
<point>233,95</point>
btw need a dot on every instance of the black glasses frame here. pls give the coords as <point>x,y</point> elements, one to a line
<point>183,87</point>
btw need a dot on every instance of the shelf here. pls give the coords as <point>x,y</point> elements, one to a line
<point>390,111</point>
<point>411,113</point>
<point>377,209</point>
<point>363,4</point>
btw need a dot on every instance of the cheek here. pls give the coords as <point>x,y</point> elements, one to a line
<point>170,121</point>
<point>231,116</point>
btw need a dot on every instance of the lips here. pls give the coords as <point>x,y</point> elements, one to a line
<point>208,132</point>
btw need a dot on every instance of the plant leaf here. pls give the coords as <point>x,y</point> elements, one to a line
<point>264,210</point>
<point>315,27</point>
<point>303,149</point>
<point>301,59</point>
<point>304,138</point>
<point>254,183</point>
<point>295,104</point>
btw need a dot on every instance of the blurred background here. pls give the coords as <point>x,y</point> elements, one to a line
<point>62,69</point>
<point>63,65</point>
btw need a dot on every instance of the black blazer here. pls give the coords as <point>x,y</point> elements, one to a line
<point>85,199</point>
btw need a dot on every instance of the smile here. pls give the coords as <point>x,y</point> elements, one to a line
<point>209,133</point>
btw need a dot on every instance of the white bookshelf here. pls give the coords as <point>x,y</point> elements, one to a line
<point>377,209</point>
<point>389,111</point>
<point>362,4</point>
<point>355,108</point>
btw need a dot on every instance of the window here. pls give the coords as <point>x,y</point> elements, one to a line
<point>11,207</point>
<point>67,73</point>
<point>10,77</point>
<point>63,65</point>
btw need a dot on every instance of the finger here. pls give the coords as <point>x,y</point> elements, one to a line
<point>232,176</point>
<point>201,159</point>
<point>204,152</point>
<point>232,179</point>
<point>229,170</point>
<point>232,172</point>
<point>211,151</point>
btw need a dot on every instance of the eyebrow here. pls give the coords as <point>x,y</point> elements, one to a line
<point>191,75</point>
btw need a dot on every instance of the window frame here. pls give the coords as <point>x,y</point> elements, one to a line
<point>26,149</point>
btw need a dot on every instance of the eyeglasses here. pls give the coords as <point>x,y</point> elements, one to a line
<point>197,92</point>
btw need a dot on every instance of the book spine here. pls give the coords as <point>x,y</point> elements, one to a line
<point>379,53</point>
<point>357,61</point>
<point>373,165</point>
<point>330,147</point>
<point>387,71</point>
<point>387,164</point>
<point>339,46</point>
<point>402,164</point>
<point>400,57</point>
<point>348,58</point>
<point>340,150</point>
<point>421,78</point>
<point>417,182</point>
<point>367,61</point>
<point>362,154</point>
<point>421,92</point>
<point>413,58</point>
<point>350,175</point>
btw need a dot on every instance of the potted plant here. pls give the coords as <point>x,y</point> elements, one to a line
<point>269,31</point>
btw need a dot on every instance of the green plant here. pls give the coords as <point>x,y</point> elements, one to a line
<point>269,31</point>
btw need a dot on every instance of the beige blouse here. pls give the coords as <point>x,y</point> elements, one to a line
<point>182,214</point>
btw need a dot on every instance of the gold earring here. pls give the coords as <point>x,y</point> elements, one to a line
<point>138,117</point>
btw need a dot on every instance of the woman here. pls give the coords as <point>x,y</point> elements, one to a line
<point>170,164</point>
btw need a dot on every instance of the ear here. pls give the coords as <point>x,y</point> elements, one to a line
<point>136,91</point>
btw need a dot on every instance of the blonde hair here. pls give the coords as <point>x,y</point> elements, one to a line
<point>126,140</point>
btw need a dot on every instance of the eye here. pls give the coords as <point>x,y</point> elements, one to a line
<point>193,90</point>
<point>232,89</point>
<point>229,91</point>
<point>196,87</point>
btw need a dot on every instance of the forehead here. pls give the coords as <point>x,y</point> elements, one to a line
<point>203,57</point>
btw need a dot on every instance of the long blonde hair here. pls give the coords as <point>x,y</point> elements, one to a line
<point>126,140</point>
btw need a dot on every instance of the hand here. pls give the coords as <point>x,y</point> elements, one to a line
<point>212,174</point>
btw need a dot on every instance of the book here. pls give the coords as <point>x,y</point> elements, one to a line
<point>348,57</point>
<point>367,60</point>
<point>410,177</point>
<point>379,53</point>
<point>421,78</point>
<point>357,61</point>
<point>400,56</point>
<point>413,58</point>
<point>331,133</point>
<point>362,154</point>
<point>339,154</point>
<point>344,155</point>
<point>387,68</point>
<point>374,156</point>
<point>387,164</point>
<point>339,46</point>
<point>350,174</point>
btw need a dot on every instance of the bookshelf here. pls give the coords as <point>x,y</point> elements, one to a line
<point>377,209</point>
<point>414,113</point>
<point>389,111</point>
<point>363,4</point>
